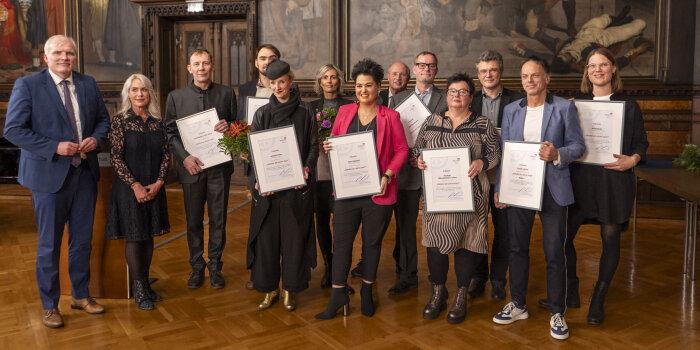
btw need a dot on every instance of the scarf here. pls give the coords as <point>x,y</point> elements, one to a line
<point>282,112</point>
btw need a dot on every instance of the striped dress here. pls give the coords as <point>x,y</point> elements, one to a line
<point>452,231</point>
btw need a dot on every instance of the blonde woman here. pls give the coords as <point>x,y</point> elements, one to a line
<point>137,206</point>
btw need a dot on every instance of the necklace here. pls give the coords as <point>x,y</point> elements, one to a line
<point>366,127</point>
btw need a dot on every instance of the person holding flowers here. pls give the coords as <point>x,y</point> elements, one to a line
<point>281,224</point>
<point>329,85</point>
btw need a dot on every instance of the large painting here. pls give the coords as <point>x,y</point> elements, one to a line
<point>25,25</point>
<point>301,30</point>
<point>111,39</point>
<point>562,31</point>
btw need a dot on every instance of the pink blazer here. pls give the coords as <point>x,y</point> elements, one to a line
<point>392,149</point>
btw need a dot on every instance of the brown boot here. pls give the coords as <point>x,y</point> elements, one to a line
<point>52,318</point>
<point>458,311</point>
<point>88,305</point>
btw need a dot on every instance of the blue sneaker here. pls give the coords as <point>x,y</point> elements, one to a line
<point>510,314</point>
<point>558,328</point>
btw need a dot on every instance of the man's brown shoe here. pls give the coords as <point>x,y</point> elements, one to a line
<point>88,304</point>
<point>52,318</point>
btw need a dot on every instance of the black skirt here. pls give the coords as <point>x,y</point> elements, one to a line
<point>602,196</point>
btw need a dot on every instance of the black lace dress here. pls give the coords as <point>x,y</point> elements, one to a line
<point>139,154</point>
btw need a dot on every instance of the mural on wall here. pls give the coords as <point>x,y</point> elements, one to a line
<point>111,34</point>
<point>561,31</point>
<point>300,29</point>
<point>25,25</point>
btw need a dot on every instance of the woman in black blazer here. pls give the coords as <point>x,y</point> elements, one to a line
<point>329,85</point>
<point>604,194</point>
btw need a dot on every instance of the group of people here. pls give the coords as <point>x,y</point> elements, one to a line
<point>60,136</point>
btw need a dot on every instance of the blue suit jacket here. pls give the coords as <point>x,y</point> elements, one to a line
<point>560,126</point>
<point>37,121</point>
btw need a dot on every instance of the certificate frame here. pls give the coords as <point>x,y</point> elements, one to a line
<point>412,102</point>
<point>373,185</point>
<point>252,104</point>
<point>467,189</point>
<point>205,133</point>
<point>615,111</point>
<point>293,174</point>
<point>510,197</point>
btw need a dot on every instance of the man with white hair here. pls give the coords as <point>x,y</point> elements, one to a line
<point>58,118</point>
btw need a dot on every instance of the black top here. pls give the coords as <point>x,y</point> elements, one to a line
<point>604,196</point>
<point>139,154</point>
<point>356,126</point>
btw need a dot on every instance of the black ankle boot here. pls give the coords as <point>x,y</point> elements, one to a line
<point>141,295</point>
<point>458,311</point>
<point>437,303</point>
<point>367,301</point>
<point>339,298</point>
<point>573,300</point>
<point>326,279</point>
<point>596,313</point>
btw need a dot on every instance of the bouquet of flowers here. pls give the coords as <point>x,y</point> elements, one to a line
<point>325,120</point>
<point>235,140</point>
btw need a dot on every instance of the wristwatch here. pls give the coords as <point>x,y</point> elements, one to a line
<point>387,178</point>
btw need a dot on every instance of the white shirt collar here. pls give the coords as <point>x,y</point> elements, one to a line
<point>57,80</point>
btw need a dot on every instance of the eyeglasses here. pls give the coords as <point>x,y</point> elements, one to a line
<point>461,92</point>
<point>492,71</point>
<point>603,66</point>
<point>425,65</point>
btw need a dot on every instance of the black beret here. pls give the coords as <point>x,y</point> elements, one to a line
<point>277,69</point>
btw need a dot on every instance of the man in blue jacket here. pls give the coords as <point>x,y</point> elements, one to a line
<point>58,118</point>
<point>553,122</point>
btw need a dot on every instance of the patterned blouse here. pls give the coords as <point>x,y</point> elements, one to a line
<point>452,231</point>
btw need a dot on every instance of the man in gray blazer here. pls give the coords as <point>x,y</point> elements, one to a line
<point>202,186</point>
<point>409,180</point>
<point>553,122</point>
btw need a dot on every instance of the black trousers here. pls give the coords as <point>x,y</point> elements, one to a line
<point>553,217</point>
<point>212,189</point>
<point>280,237</point>
<point>405,249</point>
<point>500,248</point>
<point>323,207</point>
<point>464,264</point>
<point>348,214</point>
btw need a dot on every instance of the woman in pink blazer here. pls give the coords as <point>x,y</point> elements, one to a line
<point>373,212</point>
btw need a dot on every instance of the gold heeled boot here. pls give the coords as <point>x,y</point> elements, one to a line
<point>288,300</point>
<point>269,299</point>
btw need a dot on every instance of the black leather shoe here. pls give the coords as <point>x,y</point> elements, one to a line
<point>402,287</point>
<point>476,288</point>
<point>357,271</point>
<point>498,291</point>
<point>437,302</point>
<point>216,279</point>
<point>596,312</point>
<point>196,278</point>
<point>458,311</point>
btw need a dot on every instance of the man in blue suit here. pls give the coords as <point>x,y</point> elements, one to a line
<point>553,121</point>
<point>58,118</point>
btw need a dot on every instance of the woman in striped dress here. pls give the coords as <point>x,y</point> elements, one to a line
<point>463,234</point>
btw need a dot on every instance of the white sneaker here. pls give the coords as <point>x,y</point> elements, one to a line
<point>510,314</point>
<point>557,327</point>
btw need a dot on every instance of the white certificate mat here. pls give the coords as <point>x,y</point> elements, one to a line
<point>446,186</point>
<point>413,113</point>
<point>252,104</point>
<point>354,166</point>
<point>200,139</point>
<point>522,175</point>
<point>602,124</point>
<point>276,159</point>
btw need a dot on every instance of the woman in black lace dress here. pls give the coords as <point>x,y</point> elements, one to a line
<point>138,209</point>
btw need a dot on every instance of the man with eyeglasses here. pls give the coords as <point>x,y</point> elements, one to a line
<point>489,102</point>
<point>397,75</point>
<point>553,122</point>
<point>425,68</point>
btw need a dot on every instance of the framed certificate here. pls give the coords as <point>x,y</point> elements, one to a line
<point>413,113</point>
<point>446,186</point>
<point>354,165</point>
<point>252,104</point>
<point>522,175</point>
<point>276,159</point>
<point>602,124</point>
<point>200,139</point>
